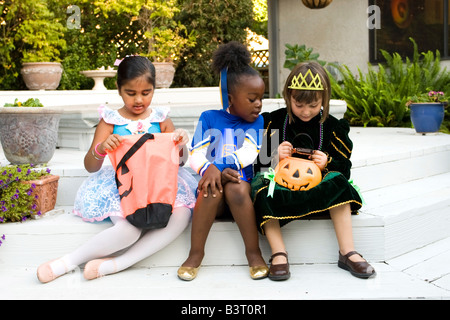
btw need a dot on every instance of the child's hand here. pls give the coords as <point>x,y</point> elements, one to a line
<point>181,137</point>
<point>284,150</point>
<point>230,175</point>
<point>320,159</point>
<point>211,179</point>
<point>111,143</point>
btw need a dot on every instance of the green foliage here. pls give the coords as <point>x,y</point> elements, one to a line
<point>378,98</point>
<point>217,22</point>
<point>445,127</point>
<point>166,37</point>
<point>30,33</point>
<point>103,36</point>
<point>429,96</point>
<point>29,103</point>
<point>17,198</point>
<point>296,54</point>
<point>38,32</point>
<point>34,29</point>
<point>260,18</point>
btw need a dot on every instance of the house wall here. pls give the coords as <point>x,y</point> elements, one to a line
<point>339,33</point>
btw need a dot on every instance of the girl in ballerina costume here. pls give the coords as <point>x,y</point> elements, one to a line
<point>224,147</point>
<point>98,197</point>
<point>307,95</point>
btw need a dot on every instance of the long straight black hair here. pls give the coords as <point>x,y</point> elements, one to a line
<point>133,67</point>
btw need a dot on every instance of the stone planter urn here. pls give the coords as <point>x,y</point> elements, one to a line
<point>28,134</point>
<point>165,72</point>
<point>99,76</point>
<point>41,75</point>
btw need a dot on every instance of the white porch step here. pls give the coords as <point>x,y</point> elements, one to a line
<point>405,209</point>
<point>381,158</point>
<point>396,220</point>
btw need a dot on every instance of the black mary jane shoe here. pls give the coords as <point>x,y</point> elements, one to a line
<point>279,272</point>
<point>360,269</point>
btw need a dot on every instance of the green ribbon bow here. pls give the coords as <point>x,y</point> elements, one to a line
<point>357,190</point>
<point>270,175</point>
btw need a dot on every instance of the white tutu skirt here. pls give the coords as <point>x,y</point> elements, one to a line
<point>98,196</point>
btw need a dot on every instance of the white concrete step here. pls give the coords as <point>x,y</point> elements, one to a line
<point>390,156</point>
<point>396,220</point>
<point>405,209</point>
<point>381,158</point>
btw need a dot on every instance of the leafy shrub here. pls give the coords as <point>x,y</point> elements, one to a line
<point>217,22</point>
<point>17,198</point>
<point>296,54</point>
<point>378,98</point>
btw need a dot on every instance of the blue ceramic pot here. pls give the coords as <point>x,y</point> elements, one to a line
<point>427,117</point>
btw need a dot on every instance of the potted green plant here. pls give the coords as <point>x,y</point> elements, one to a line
<point>427,110</point>
<point>165,38</point>
<point>26,191</point>
<point>42,38</point>
<point>296,54</point>
<point>28,131</point>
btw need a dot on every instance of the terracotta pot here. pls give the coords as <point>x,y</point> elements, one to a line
<point>41,75</point>
<point>28,134</point>
<point>165,72</point>
<point>46,190</point>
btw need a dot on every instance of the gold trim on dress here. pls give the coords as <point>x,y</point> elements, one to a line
<point>344,155</point>
<point>306,214</point>
<point>267,218</point>
<point>338,139</point>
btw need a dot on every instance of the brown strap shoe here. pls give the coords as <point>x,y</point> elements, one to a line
<point>361,269</point>
<point>279,272</point>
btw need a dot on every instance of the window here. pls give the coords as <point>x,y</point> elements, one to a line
<point>426,21</point>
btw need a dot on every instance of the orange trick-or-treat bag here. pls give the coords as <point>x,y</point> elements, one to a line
<point>146,168</point>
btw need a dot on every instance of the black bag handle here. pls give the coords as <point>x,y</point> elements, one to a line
<point>303,151</point>
<point>122,164</point>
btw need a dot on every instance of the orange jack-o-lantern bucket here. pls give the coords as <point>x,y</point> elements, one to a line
<point>297,173</point>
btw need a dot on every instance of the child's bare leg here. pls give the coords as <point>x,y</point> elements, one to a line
<point>237,196</point>
<point>274,237</point>
<point>205,212</point>
<point>342,222</point>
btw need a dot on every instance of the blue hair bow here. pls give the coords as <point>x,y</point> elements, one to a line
<point>223,88</point>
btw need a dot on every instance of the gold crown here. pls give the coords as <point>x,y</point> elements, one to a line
<point>299,82</point>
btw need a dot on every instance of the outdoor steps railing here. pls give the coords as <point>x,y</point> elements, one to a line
<point>79,108</point>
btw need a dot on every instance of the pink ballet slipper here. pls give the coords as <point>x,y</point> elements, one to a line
<point>45,273</point>
<point>91,269</point>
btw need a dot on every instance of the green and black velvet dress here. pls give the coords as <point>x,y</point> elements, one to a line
<point>334,189</point>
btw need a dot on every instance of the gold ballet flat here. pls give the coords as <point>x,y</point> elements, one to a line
<point>187,273</point>
<point>259,272</point>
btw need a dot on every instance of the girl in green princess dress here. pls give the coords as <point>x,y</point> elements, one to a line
<point>307,95</point>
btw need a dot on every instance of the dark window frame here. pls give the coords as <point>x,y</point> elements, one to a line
<point>445,54</point>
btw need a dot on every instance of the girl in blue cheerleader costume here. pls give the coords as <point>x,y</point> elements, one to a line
<point>224,147</point>
<point>98,197</point>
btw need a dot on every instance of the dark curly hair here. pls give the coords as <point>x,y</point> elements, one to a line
<point>236,57</point>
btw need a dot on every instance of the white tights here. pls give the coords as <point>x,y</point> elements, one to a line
<point>120,236</point>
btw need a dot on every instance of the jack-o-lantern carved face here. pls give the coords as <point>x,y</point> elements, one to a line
<point>297,174</point>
